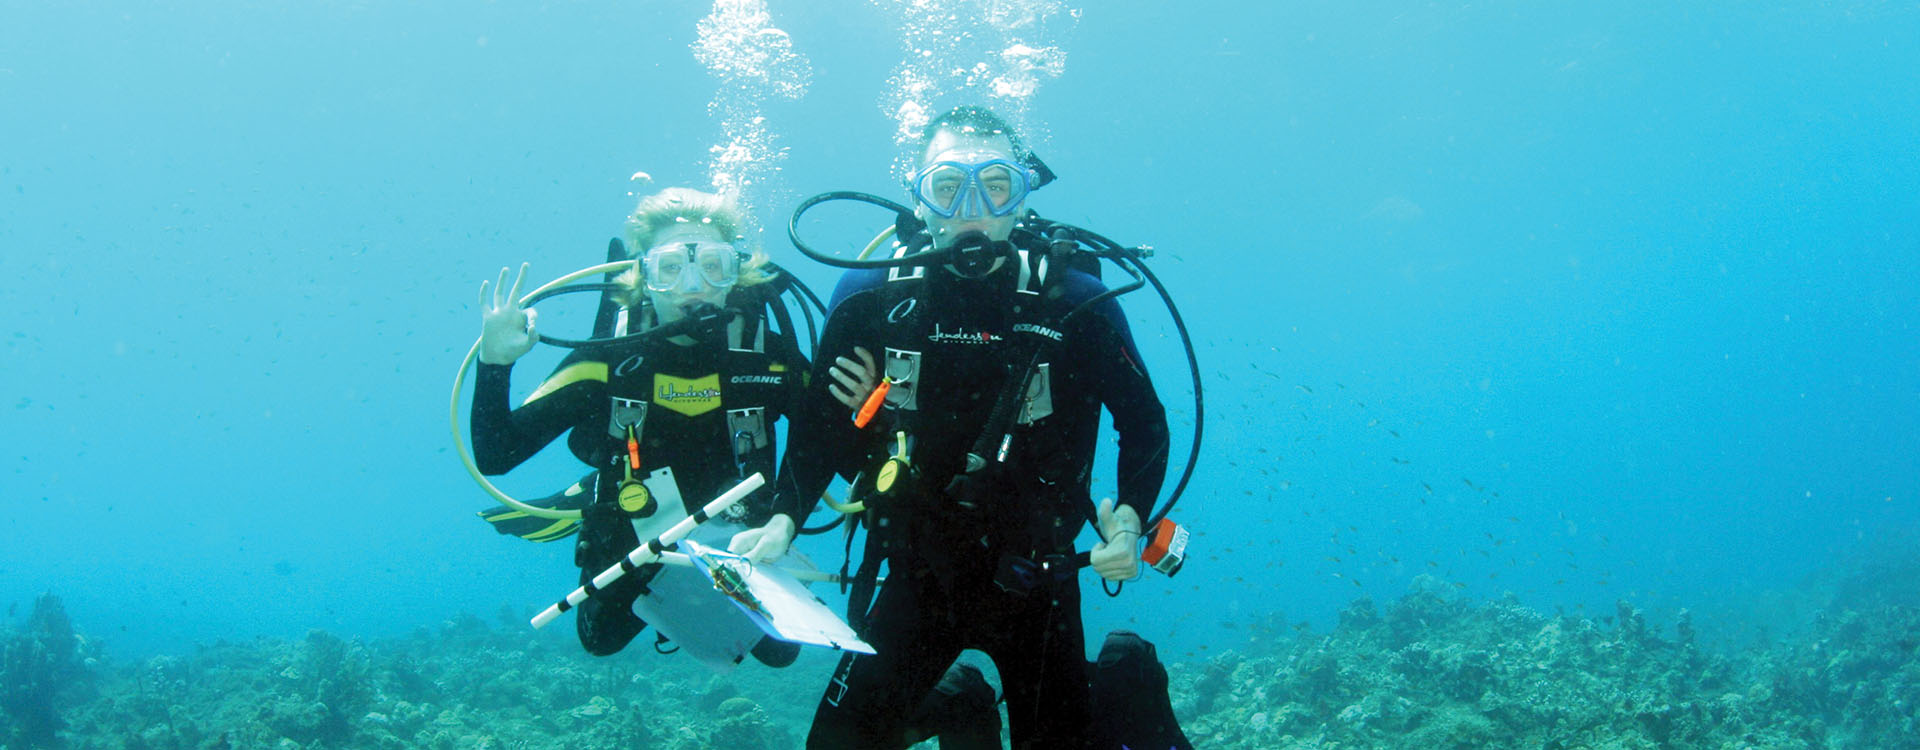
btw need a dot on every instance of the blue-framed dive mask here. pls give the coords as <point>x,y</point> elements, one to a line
<point>682,265</point>
<point>968,190</point>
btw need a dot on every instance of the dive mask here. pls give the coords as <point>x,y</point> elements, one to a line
<point>677,265</point>
<point>991,187</point>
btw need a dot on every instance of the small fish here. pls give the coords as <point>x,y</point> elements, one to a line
<point>1304,388</point>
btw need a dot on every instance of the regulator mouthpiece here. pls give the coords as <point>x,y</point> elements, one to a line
<point>973,254</point>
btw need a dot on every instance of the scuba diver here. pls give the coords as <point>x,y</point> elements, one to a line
<point>667,420</point>
<point>975,382</point>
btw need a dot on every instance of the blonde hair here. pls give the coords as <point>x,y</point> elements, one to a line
<point>678,205</point>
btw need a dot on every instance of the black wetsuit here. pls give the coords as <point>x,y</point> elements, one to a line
<point>941,594</point>
<point>686,394</point>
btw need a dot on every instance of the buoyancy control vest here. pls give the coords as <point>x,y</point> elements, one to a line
<point>949,352</point>
<point>700,417</point>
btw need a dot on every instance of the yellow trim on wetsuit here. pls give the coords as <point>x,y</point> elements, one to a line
<point>573,373</point>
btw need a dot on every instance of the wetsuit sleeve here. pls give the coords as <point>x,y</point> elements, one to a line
<point>821,439</point>
<point>1122,385</point>
<point>504,437</point>
<point>793,397</point>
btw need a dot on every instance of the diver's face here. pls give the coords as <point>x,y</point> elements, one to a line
<point>969,148</point>
<point>692,289</point>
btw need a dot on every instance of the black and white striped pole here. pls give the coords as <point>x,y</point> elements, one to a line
<point>649,552</point>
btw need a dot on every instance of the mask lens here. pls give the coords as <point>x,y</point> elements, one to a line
<point>997,183</point>
<point>940,187</point>
<point>950,188</point>
<point>717,263</point>
<point>714,262</point>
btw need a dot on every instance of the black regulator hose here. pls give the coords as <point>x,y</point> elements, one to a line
<point>706,317</point>
<point>1128,259</point>
<point>1199,402</point>
<point>923,258</point>
<point>808,302</point>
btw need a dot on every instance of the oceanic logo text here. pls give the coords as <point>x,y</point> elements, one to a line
<point>902,310</point>
<point>1042,330</point>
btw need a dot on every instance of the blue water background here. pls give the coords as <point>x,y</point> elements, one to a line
<point>1581,301</point>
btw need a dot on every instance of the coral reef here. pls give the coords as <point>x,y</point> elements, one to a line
<point>1435,672</point>
<point>42,670</point>
<point>460,686</point>
<point>1430,671</point>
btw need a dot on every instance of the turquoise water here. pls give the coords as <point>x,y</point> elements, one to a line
<point>1580,302</point>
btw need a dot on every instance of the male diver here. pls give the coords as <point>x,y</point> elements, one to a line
<point>973,502</point>
<point>667,419</point>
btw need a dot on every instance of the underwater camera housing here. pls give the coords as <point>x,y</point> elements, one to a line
<point>1166,547</point>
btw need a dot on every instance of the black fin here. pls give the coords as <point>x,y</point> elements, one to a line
<point>534,529</point>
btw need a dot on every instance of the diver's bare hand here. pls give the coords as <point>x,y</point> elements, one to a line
<point>1116,558</point>
<point>767,543</point>
<point>857,379</point>
<point>506,328</point>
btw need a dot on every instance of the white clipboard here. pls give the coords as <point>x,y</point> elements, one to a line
<point>776,601</point>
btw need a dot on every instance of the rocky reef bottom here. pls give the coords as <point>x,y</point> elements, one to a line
<point>1428,671</point>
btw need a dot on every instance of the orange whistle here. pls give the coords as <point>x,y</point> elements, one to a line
<point>633,451</point>
<point>874,400</point>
